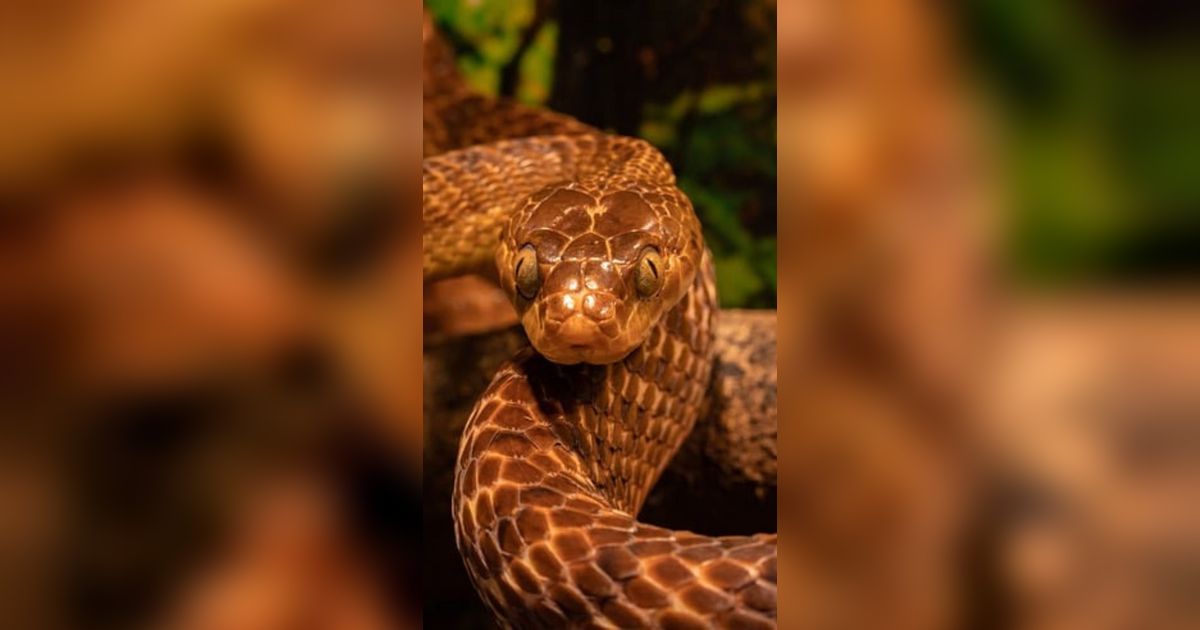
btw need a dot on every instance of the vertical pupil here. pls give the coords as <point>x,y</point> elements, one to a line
<point>527,279</point>
<point>524,259</point>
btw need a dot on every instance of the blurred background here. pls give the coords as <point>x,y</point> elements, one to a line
<point>1094,103</point>
<point>207,226</point>
<point>1093,404</point>
<point>991,337</point>
<point>989,341</point>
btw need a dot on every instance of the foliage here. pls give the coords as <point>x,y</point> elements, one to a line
<point>1099,117</point>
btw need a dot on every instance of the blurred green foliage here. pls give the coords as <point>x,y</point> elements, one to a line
<point>486,34</point>
<point>1100,111</point>
<point>720,137</point>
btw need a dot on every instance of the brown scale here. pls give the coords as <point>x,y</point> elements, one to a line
<point>557,457</point>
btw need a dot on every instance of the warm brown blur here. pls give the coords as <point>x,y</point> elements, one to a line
<point>883,210</point>
<point>209,265</point>
<point>962,444</point>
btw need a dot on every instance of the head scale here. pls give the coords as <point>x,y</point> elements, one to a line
<point>591,272</point>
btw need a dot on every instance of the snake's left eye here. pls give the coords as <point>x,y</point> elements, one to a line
<point>647,276</point>
<point>526,272</point>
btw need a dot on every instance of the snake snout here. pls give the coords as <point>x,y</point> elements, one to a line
<point>579,331</point>
<point>581,318</point>
<point>596,306</point>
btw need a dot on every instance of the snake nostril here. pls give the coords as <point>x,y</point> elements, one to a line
<point>598,308</point>
<point>567,305</point>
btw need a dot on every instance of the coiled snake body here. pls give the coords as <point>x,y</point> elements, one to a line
<point>603,258</point>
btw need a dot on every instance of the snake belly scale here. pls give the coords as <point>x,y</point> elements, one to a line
<point>604,260</point>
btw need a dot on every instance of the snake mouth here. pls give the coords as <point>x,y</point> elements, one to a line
<point>598,351</point>
<point>590,356</point>
<point>579,332</point>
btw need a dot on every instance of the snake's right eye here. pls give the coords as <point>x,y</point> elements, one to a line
<point>526,272</point>
<point>647,276</point>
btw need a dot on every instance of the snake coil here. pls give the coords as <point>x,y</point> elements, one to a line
<point>604,260</point>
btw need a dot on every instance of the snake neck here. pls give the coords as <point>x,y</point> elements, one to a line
<point>627,419</point>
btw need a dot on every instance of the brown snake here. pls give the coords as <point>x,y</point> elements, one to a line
<point>604,260</point>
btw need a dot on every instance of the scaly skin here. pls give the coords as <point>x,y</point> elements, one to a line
<point>564,445</point>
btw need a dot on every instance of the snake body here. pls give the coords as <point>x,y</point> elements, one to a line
<point>604,260</point>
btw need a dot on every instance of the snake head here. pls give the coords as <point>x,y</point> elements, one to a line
<point>591,272</point>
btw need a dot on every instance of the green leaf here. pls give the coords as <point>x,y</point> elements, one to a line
<point>737,282</point>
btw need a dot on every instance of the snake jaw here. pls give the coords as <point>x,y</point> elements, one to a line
<point>580,340</point>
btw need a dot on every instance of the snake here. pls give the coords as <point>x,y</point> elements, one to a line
<point>604,260</point>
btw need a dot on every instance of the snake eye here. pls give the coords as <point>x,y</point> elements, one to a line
<point>526,272</point>
<point>647,276</point>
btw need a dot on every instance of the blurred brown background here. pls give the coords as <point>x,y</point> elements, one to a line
<point>991,343</point>
<point>208,226</point>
